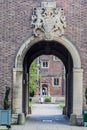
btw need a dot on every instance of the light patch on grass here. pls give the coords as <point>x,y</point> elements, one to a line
<point>30,104</point>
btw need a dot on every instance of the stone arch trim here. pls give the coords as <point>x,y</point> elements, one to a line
<point>77,73</point>
<point>62,40</point>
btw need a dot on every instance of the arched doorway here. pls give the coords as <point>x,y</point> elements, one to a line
<point>66,51</point>
<point>44,89</point>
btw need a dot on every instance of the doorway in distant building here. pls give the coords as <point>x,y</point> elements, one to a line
<point>44,89</point>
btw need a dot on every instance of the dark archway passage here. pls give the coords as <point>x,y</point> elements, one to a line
<point>49,48</point>
<point>67,52</point>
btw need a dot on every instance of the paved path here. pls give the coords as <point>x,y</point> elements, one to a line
<point>47,113</point>
<point>46,117</point>
<point>46,109</point>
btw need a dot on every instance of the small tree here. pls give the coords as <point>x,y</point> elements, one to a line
<point>33,87</point>
<point>86,95</point>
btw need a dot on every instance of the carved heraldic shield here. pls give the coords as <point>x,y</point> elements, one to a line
<point>48,21</point>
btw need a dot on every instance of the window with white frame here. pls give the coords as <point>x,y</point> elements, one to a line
<point>56,82</point>
<point>45,64</point>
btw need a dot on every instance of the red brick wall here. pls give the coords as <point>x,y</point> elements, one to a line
<point>55,69</point>
<point>15,16</point>
<point>52,90</point>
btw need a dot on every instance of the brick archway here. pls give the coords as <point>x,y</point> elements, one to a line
<point>77,72</point>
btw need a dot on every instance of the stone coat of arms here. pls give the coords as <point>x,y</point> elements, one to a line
<point>48,21</point>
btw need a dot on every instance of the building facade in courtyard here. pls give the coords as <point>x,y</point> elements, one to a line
<point>51,82</point>
<point>30,28</point>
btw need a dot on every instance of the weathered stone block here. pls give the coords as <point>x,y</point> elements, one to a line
<point>73,119</point>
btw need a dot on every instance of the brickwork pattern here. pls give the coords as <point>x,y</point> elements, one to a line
<point>15,17</point>
<point>55,69</point>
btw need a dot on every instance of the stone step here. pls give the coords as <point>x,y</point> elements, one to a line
<point>14,118</point>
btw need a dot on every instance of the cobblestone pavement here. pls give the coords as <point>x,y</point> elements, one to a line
<point>46,117</point>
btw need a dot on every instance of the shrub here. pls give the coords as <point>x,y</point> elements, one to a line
<point>6,105</point>
<point>86,95</point>
<point>62,105</point>
<point>48,99</point>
